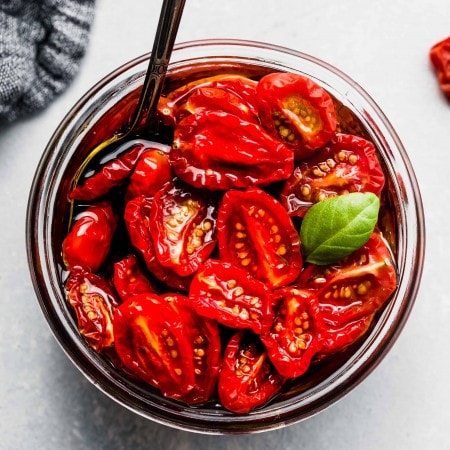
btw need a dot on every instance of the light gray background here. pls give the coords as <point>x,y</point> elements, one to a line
<point>45,402</point>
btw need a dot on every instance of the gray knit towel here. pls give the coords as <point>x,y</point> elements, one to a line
<point>41,46</point>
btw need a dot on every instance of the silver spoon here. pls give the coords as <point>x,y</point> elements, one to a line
<point>144,113</point>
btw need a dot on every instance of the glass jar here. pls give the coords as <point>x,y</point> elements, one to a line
<point>48,212</point>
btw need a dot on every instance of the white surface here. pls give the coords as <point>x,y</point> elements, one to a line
<point>383,45</point>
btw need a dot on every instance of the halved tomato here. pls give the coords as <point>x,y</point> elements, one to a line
<point>297,110</point>
<point>137,220</point>
<point>152,343</point>
<point>353,290</point>
<point>94,303</point>
<point>173,107</point>
<point>204,335</point>
<point>347,164</point>
<point>182,227</point>
<point>231,296</point>
<point>255,233</point>
<point>247,379</point>
<point>218,150</point>
<point>296,332</point>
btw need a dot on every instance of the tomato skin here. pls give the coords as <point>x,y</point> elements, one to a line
<point>256,233</point>
<point>218,151</point>
<point>173,107</point>
<point>296,332</point>
<point>129,280</point>
<point>440,59</point>
<point>183,225</point>
<point>94,303</point>
<point>352,290</point>
<point>231,296</point>
<point>112,174</point>
<point>137,220</point>
<point>347,164</point>
<point>151,342</point>
<point>151,173</point>
<point>247,379</point>
<point>88,242</point>
<point>204,336</point>
<point>297,110</point>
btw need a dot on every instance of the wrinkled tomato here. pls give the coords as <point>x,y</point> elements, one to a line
<point>296,332</point>
<point>347,164</point>
<point>242,92</point>
<point>440,59</point>
<point>137,220</point>
<point>256,233</point>
<point>247,379</point>
<point>129,280</point>
<point>182,227</point>
<point>112,173</point>
<point>152,343</point>
<point>151,173</point>
<point>88,242</point>
<point>217,150</point>
<point>231,296</point>
<point>297,110</point>
<point>204,336</point>
<point>352,290</point>
<point>94,303</point>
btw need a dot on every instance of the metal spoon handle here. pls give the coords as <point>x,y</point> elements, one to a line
<point>169,21</point>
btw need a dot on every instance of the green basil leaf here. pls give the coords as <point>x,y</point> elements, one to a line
<point>335,227</point>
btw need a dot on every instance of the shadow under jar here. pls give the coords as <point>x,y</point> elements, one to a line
<point>97,115</point>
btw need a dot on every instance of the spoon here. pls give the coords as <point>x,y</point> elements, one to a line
<point>144,114</point>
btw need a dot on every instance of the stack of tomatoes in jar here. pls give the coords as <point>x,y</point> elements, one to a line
<point>188,266</point>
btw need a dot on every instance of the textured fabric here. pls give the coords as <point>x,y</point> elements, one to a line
<point>41,45</point>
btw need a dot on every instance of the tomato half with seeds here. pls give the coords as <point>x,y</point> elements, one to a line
<point>354,289</point>
<point>137,220</point>
<point>182,228</point>
<point>88,242</point>
<point>296,332</point>
<point>247,379</point>
<point>129,279</point>
<point>94,304</point>
<point>297,110</point>
<point>440,59</point>
<point>347,164</point>
<point>173,107</point>
<point>204,336</point>
<point>152,343</point>
<point>231,296</point>
<point>256,233</point>
<point>218,151</point>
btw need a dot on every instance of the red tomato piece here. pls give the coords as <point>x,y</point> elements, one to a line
<point>173,107</point>
<point>137,220</point>
<point>94,303</point>
<point>353,289</point>
<point>440,59</point>
<point>152,343</point>
<point>182,228</point>
<point>204,336</point>
<point>296,332</point>
<point>231,296</point>
<point>247,379</point>
<point>111,174</point>
<point>220,100</point>
<point>347,164</point>
<point>217,150</point>
<point>256,233</point>
<point>88,242</point>
<point>297,110</point>
<point>151,173</point>
<point>129,280</point>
